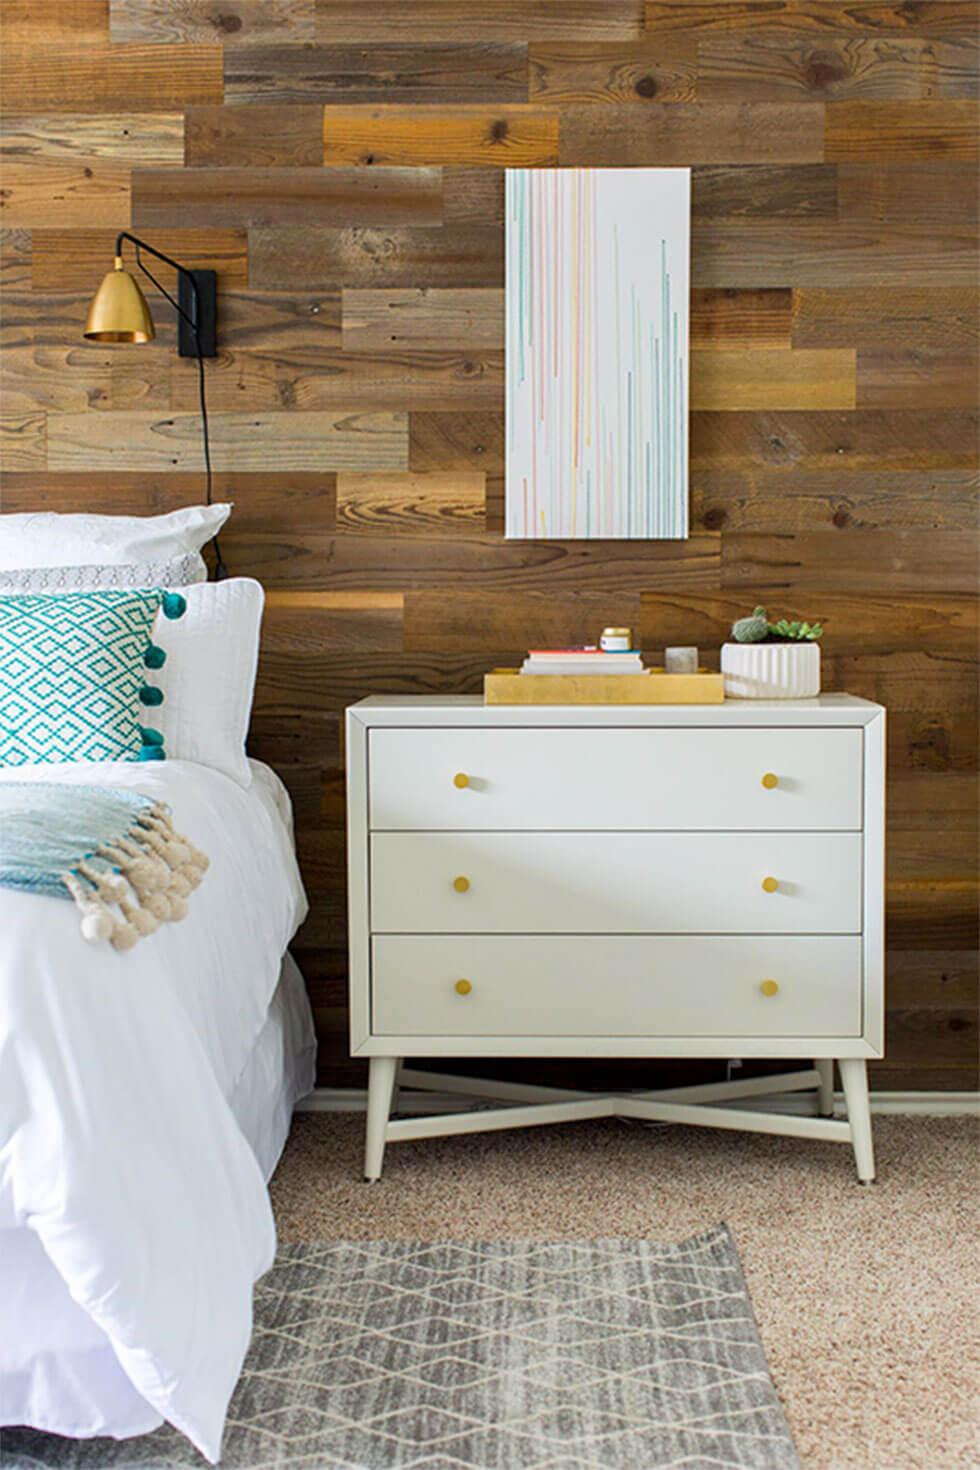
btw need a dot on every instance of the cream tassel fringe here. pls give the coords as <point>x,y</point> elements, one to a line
<point>153,870</point>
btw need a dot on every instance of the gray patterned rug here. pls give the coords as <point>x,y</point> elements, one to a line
<point>506,1355</point>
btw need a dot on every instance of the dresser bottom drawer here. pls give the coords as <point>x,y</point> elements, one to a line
<point>616,985</point>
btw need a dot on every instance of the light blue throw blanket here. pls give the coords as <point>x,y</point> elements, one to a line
<point>114,852</point>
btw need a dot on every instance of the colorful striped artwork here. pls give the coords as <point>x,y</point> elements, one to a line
<point>597,353</point>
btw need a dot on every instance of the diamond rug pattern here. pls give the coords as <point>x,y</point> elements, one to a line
<point>501,1355</point>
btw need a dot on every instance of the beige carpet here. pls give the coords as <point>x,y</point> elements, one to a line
<point>866,1297</point>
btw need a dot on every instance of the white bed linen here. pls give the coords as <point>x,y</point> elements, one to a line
<point>121,1159</point>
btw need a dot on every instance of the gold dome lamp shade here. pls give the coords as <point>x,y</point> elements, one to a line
<point>119,310</point>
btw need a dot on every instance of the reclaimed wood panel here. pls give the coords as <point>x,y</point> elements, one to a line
<point>357,397</point>
<point>71,194</point>
<point>431,320</point>
<point>760,379</point>
<point>872,131</point>
<point>72,22</point>
<point>692,132</point>
<point>232,22</point>
<point>512,136</point>
<point>562,74</point>
<point>765,192</point>
<point>766,499</point>
<point>805,253</point>
<point>910,193</point>
<point>265,135</point>
<point>67,79</point>
<point>459,255</point>
<point>76,259</point>
<point>771,66</point>
<point>878,561</point>
<point>914,377</point>
<point>277,441</point>
<point>447,72</point>
<point>237,197</point>
<point>880,17</point>
<point>133,138</point>
<point>741,319</point>
<point>916,318</point>
<point>444,20</point>
<point>413,503</point>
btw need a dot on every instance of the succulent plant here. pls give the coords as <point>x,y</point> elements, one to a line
<point>758,629</point>
<point>753,629</point>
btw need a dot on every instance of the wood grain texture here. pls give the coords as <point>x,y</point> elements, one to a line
<point>414,503</point>
<point>565,74</point>
<point>512,136</point>
<point>261,136</point>
<point>632,134</point>
<point>74,259</point>
<point>233,23</point>
<point>72,22</point>
<point>879,17</point>
<point>757,378</point>
<point>133,138</point>
<point>771,66</point>
<point>444,20</point>
<point>430,320</point>
<point>900,131</point>
<point>46,193</point>
<point>911,319</point>
<point>278,441</point>
<point>440,72</point>
<point>459,255</point>
<point>357,396</point>
<point>67,79</point>
<point>740,319</point>
<point>221,197</point>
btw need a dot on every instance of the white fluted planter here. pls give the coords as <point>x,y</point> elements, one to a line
<point>771,670</point>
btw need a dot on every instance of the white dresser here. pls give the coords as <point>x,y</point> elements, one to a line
<point>673,881</point>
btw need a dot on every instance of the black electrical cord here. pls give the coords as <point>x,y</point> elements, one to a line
<point>220,570</point>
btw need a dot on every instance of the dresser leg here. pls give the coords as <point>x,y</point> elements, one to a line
<point>381,1085</point>
<point>854,1080</point>
<point>825,1094</point>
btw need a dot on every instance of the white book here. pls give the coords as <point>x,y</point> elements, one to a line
<point>619,663</point>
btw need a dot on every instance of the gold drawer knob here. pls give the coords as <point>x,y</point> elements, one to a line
<point>770,884</point>
<point>770,780</point>
<point>461,884</point>
<point>463,987</point>
<point>769,987</point>
<point>461,780</point>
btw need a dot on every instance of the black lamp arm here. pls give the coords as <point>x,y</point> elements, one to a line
<point>192,320</point>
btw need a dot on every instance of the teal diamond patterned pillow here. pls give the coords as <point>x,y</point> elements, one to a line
<point>72,670</point>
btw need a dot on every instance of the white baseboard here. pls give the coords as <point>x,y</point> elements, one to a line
<point>920,1104</point>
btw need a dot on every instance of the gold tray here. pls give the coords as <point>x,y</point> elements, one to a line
<point>510,686</point>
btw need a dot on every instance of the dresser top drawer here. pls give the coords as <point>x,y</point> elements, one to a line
<point>765,779</point>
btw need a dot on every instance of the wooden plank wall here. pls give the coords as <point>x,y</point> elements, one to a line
<point>339,164</point>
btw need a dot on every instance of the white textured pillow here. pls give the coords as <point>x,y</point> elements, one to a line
<point>181,572</point>
<point>49,539</point>
<point>209,675</point>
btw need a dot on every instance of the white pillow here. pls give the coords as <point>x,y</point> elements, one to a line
<point>180,572</point>
<point>209,675</point>
<point>49,539</point>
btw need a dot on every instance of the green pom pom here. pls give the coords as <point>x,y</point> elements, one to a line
<point>174,605</point>
<point>149,736</point>
<point>151,753</point>
<point>155,657</point>
<point>151,696</point>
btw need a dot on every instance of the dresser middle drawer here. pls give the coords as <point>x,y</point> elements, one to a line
<point>616,882</point>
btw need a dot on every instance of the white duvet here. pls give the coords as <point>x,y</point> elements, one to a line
<point>118,1150</point>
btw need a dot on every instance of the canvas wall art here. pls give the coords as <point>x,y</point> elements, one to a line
<point>597,353</point>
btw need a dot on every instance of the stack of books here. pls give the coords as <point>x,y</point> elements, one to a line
<point>586,660</point>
